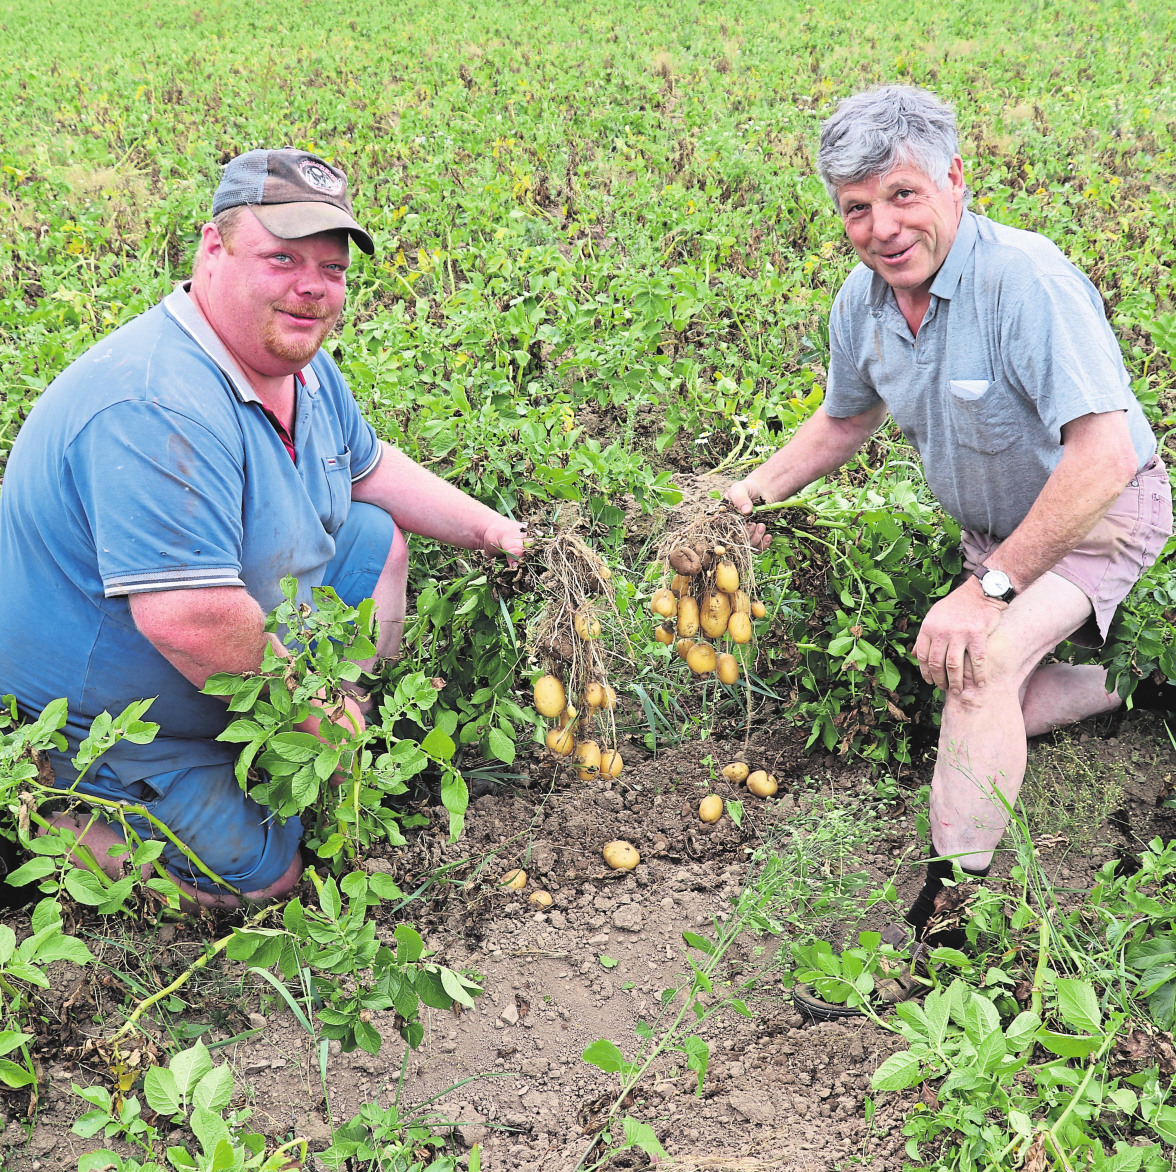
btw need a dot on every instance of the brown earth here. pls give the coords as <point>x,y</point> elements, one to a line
<point>779,1094</point>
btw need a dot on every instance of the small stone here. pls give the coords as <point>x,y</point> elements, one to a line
<point>599,938</point>
<point>558,920</point>
<point>510,1014</point>
<point>335,1048</point>
<point>277,1063</point>
<point>754,1108</point>
<point>257,1021</point>
<point>628,917</point>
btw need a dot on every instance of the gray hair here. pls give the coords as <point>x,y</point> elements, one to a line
<point>874,132</point>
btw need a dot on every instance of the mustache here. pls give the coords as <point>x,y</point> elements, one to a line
<point>313,309</point>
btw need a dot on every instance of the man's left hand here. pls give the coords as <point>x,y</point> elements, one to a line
<point>505,538</point>
<point>952,640</point>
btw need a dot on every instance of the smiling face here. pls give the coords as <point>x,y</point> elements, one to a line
<point>902,226</point>
<point>271,301</point>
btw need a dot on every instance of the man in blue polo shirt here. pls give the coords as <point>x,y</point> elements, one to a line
<point>993,355</point>
<point>166,482</point>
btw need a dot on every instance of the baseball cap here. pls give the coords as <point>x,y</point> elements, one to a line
<point>293,194</point>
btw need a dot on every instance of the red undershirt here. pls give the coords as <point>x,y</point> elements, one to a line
<point>286,438</point>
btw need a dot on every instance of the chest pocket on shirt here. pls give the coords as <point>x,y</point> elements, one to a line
<point>337,474</point>
<point>982,415</point>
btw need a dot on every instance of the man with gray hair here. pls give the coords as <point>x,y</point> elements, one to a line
<point>992,353</point>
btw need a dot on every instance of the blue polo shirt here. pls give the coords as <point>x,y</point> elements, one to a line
<point>149,464</point>
<point>1014,345</point>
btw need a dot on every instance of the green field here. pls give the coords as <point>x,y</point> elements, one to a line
<point>604,264</point>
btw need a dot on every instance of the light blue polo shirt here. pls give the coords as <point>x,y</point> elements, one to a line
<point>1014,345</point>
<point>148,464</point>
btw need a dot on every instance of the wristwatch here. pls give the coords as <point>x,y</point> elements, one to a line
<point>995,584</point>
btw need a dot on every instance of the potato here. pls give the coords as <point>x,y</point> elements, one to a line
<point>683,647</point>
<point>728,668</point>
<point>594,694</point>
<point>680,585</point>
<point>727,576</point>
<point>687,616</point>
<point>758,609</point>
<point>561,741</point>
<point>515,880</point>
<point>739,628</point>
<point>686,561</point>
<point>621,855</point>
<point>714,611</point>
<point>740,603</point>
<point>549,696</point>
<point>610,698</point>
<point>588,758</point>
<point>611,763</point>
<point>737,771</point>
<point>663,634</point>
<point>701,659</point>
<point>720,551</point>
<point>587,625</point>
<point>664,603</point>
<point>710,809</point>
<point>568,715</point>
<point>762,784</point>
<point>541,898</point>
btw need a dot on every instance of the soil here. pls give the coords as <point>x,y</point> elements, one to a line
<point>780,1093</point>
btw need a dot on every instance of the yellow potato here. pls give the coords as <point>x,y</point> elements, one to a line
<point>727,577</point>
<point>621,855</point>
<point>594,694</point>
<point>664,603</point>
<point>515,880</point>
<point>680,585</point>
<point>568,715</point>
<point>701,659</point>
<point>737,771</point>
<point>587,625</point>
<point>611,763</point>
<point>687,616</point>
<point>663,635</point>
<point>740,603</point>
<point>588,758</point>
<point>683,647</point>
<point>714,611</point>
<point>541,898</point>
<point>549,696</point>
<point>758,609</point>
<point>762,784</point>
<point>739,628</point>
<point>610,697</point>
<point>710,809</point>
<point>728,667</point>
<point>561,741</point>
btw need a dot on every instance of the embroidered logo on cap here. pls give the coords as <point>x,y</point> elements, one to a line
<point>320,177</point>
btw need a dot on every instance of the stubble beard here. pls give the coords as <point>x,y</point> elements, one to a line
<point>298,349</point>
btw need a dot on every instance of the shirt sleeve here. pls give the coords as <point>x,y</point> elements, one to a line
<point>1060,351</point>
<point>849,393</point>
<point>162,496</point>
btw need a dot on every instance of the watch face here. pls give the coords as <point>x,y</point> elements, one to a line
<point>996,584</point>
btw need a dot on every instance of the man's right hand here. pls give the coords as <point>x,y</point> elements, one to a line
<point>743,494</point>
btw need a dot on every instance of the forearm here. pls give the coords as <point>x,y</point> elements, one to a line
<point>203,632</point>
<point>821,445</point>
<point>421,502</point>
<point>1096,464</point>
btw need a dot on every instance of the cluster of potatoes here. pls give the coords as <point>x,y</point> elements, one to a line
<point>722,609</point>
<point>551,701</point>
<point>759,782</point>
<point>516,880</point>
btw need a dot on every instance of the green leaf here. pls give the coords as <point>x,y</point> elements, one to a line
<point>215,1090</point>
<point>501,746</point>
<point>605,1055</point>
<point>12,1075</point>
<point>693,940</point>
<point>329,900</point>
<point>188,1067</point>
<point>439,744</point>
<point>85,887</point>
<point>607,962</point>
<point>898,1072</point>
<point>409,945</point>
<point>159,1086</point>
<point>36,868</point>
<point>1078,1004</point>
<point>641,1135</point>
<point>455,987</point>
<point>697,1057</point>
<point>1069,1045</point>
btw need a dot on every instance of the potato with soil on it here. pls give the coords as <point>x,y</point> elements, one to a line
<point>550,697</point>
<point>737,771</point>
<point>682,647</point>
<point>588,759</point>
<point>594,694</point>
<point>762,784</point>
<point>701,659</point>
<point>687,616</point>
<point>714,613</point>
<point>664,603</point>
<point>610,763</point>
<point>710,809</point>
<point>727,576</point>
<point>680,585</point>
<point>561,741</point>
<point>610,698</point>
<point>541,898</point>
<point>686,561</point>
<point>587,625</point>
<point>620,855</point>
<point>514,880</point>
<point>663,634</point>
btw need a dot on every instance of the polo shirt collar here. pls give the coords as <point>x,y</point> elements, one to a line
<point>182,310</point>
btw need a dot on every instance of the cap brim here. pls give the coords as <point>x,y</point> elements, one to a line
<point>292,221</point>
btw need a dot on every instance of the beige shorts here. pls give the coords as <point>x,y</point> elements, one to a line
<point>1110,559</point>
